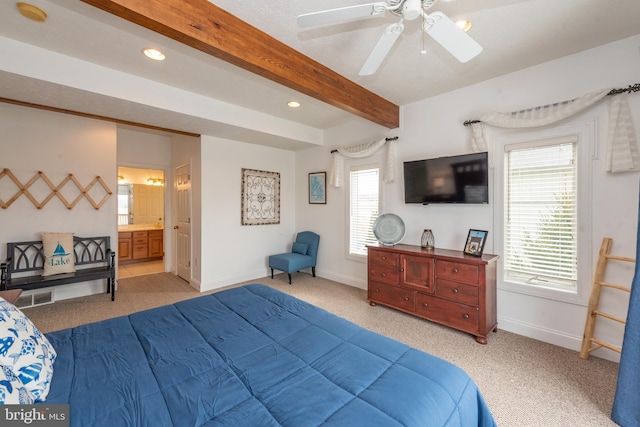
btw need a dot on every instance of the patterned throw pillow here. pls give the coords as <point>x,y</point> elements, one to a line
<point>12,391</point>
<point>58,253</point>
<point>25,352</point>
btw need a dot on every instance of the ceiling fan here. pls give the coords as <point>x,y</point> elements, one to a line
<point>437,25</point>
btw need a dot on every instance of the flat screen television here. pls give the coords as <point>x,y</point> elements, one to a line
<point>453,179</point>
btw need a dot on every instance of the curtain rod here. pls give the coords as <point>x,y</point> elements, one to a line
<point>631,88</point>
<point>393,138</point>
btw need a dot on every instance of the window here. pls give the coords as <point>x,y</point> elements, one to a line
<point>123,204</point>
<point>540,213</point>
<point>364,203</point>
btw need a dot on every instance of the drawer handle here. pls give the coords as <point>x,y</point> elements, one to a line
<point>384,258</point>
<point>455,270</point>
<point>466,316</point>
<point>425,305</point>
<point>384,274</point>
<point>377,290</point>
<point>454,290</point>
<point>406,298</point>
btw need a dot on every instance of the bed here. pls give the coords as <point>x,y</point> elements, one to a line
<point>253,356</point>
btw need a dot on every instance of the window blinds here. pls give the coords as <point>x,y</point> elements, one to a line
<point>541,214</point>
<point>364,207</point>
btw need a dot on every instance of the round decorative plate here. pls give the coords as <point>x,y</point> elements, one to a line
<point>388,229</point>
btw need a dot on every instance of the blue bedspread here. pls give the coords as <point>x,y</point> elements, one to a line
<point>253,356</point>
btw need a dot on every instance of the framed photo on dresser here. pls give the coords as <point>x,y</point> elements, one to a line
<point>475,242</point>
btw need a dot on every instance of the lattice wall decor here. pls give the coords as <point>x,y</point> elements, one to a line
<point>56,190</point>
<point>260,197</point>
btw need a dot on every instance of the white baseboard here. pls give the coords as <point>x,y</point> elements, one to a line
<point>227,281</point>
<point>356,282</point>
<point>552,336</point>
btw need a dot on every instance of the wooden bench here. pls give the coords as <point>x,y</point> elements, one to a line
<point>24,267</point>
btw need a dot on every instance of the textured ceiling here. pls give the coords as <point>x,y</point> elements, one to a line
<point>515,34</point>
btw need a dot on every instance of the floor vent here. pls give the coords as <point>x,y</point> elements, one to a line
<point>35,299</point>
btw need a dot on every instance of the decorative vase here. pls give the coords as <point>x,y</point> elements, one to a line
<point>427,241</point>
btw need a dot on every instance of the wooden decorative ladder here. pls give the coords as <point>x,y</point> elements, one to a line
<point>589,343</point>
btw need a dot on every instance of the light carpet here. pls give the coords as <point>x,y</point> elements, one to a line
<point>524,381</point>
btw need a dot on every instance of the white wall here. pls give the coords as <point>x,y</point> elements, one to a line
<point>329,220</point>
<point>56,144</point>
<point>433,127</point>
<point>232,252</point>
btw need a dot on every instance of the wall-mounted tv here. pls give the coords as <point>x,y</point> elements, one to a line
<point>453,179</point>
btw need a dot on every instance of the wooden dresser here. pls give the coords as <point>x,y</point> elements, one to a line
<point>441,285</point>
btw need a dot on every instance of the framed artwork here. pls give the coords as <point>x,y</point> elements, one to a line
<point>260,197</point>
<point>475,242</point>
<point>318,188</point>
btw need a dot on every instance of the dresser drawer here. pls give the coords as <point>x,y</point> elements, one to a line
<point>392,296</point>
<point>458,292</point>
<point>460,316</point>
<point>384,259</point>
<point>384,275</point>
<point>456,271</point>
<point>140,235</point>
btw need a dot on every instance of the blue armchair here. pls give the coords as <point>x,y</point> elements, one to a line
<point>304,252</point>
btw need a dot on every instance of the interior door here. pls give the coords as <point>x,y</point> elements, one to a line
<point>183,223</point>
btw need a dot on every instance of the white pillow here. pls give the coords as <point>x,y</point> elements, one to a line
<point>25,351</point>
<point>12,391</point>
<point>58,253</point>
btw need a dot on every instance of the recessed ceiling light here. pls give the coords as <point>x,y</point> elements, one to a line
<point>30,11</point>
<point>293,104</point>
<point>154,54</point>
<point>465,24</point>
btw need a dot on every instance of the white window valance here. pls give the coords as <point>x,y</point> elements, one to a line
<point>622,147</point>
<point>622,150</point>
<point>359,152</point>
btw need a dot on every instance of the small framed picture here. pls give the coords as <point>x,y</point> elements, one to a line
<point>475,242</point>
<point>318,188</point>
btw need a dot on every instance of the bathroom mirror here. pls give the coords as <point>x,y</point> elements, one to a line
<point>140,197</point>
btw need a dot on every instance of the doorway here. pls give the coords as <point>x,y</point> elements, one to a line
<point>141,216</point>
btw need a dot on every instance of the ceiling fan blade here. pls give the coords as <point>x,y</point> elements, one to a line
<point>451,37</point>
<point>381,49</point>
<point>342,14</point>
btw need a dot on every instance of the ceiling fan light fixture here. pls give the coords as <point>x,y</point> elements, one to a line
<point>464,24</point>
<point>411,9</point>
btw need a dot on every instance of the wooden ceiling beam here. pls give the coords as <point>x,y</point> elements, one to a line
<point>204,26</point>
